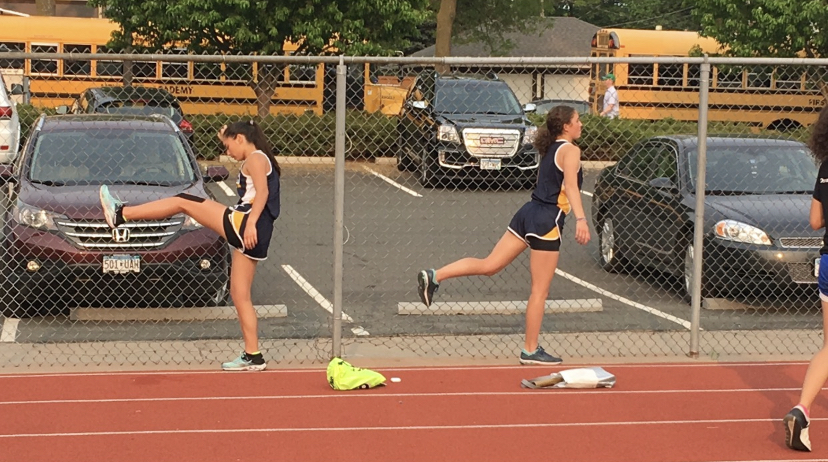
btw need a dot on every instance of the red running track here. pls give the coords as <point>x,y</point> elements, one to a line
<point>655,413</point>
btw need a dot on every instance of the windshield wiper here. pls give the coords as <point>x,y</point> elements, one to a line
<point>727,192</point>
<point>49,182</point>
<point>144,183</point>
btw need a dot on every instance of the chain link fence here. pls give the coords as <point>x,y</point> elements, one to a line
<point>699,246</point>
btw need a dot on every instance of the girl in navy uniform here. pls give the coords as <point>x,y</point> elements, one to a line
<point>537,225</point>
<point>247,226</point>
<point>796,422</point>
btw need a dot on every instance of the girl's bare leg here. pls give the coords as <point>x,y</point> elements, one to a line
<point>818,369</point>
<point>542,265</point>
<point>209,214</point>
<point>241,282</point>
<point>505,251</point>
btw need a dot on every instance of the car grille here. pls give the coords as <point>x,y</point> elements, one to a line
<point>137,235</point>
<point>490,142</point>
<point>801,242</point>
<point>802,273</point>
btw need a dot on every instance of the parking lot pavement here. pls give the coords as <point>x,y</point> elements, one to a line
<point>394,228</point>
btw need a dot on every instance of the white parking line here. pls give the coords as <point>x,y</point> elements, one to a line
<point>9,332</point>
<point>320,299</point>
<point>645,308</point>
<point>227,190</point>
<point>586,193</point>
<point>394,183</point>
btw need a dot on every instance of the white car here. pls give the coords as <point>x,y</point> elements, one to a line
<point>9,126</point>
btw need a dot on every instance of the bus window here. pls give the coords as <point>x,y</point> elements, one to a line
<point>44,66</point>
<point>108,68</point>
<point>12,63</point>
<point>71,67</point>
<point>729,77</point>
<point>670,75</point>
<point>238,72</point>
<point>174,70</point>
<point>207,71</point>
<point>759,77</point>
<point>143,69</point>
<point>789,78</point>
<point>640,74</point>
<point>302,73</point>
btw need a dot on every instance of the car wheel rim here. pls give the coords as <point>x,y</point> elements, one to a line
<point>221,295</point>
<point>607,241</point>
<point>688,269</point>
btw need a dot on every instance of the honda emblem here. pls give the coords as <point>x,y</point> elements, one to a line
<point>120,235</point>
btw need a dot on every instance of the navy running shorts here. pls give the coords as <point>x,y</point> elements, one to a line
<point>539,225</point>
<point>234,226</point>
<point>822,280</point>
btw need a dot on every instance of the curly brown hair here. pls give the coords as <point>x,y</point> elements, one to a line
<point>556,118</point>
<point>819,136</point>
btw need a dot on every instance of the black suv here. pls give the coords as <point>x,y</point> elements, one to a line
<point>131,101</point>
<point>57,250</point>
<point>465,127</point>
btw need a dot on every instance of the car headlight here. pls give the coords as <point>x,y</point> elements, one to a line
<point>190,223</point>
<point>530,135</point>
<point>740,232</point>
<point>34,217</point>
<point>448,133</point>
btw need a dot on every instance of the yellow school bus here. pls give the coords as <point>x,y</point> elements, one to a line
<point>763,96</point>
<point>202,88</point>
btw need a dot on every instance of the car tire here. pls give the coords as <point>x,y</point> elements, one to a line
<point>427,170</point>
<point>611,259</point>
<point>707,291</point>
<point>404,163</point>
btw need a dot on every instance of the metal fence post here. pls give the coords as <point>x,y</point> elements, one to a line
<point>698,231</point>
<point>339,206</point>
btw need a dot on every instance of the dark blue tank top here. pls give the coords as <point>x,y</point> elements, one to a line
<point>550,187</point>
<point>247,193</point>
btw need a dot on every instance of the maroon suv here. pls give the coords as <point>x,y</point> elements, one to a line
<point>58,251</point>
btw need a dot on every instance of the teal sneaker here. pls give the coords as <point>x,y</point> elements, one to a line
<point>426,286</point>
<point>539,357</point>
<point>246,362</point>
<point>111,208</point>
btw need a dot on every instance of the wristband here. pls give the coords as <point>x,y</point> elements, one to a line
<point>580,219</point>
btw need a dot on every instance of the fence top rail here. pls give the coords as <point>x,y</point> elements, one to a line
<point>453,60</point>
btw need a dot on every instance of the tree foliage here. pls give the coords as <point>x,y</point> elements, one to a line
<point>261,27</point>
<point>631,14</point>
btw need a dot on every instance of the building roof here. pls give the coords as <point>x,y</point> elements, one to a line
<point>566,37</point>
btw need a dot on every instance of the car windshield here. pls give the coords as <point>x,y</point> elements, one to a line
<point>756,170</point>
<point>465,97</point>
<point>99,156</point>
<point>142,110</point>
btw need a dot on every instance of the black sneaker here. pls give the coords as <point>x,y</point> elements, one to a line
<point>539,357</point>
<point>796,430</point>
<point>427,286</point>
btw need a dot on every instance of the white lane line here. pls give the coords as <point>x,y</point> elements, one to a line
<point>394,183</point>
<point>9,332</point>
<point>488,367</point>
<point>534,394</point>
<point>227,189</point>
<point>532,425</point>
<point>645,308</point>
<point>320,299</point>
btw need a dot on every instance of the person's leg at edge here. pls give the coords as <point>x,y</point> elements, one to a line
<point>542,264</point>
<point>208,213</point>
<point>817,373</point>
<point>504,252</point>
<point>241,283</point>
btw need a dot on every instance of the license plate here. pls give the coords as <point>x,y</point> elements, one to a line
<point>121,264</point>
<point>490,164</point>
<point>816,267</point>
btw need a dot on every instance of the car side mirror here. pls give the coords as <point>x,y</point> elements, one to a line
<point>216,173</point>
<point>16,89</point>
<point>529,107</point>
<point>7,172</point>
<point>663,183</point>
<point>62,110</point>
<point>419,105</point>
